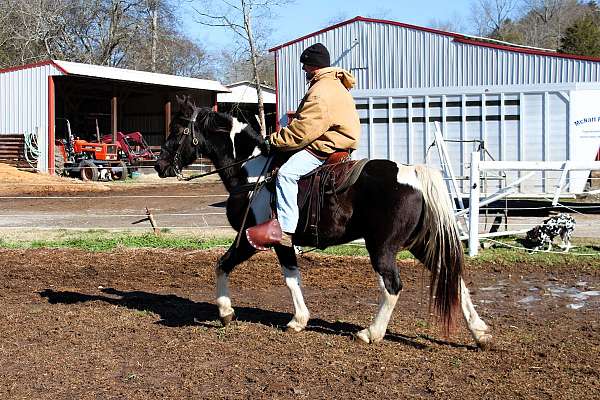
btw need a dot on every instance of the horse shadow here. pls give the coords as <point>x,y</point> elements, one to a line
<point>175,311</point>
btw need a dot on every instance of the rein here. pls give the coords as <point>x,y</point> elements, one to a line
<point>189,178</point>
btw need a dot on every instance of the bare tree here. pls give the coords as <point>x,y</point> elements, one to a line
<point>545,21</point>
<point>125,33</point>
<point>489,16</point>
<point>453,24</point>
<point>249,20</point>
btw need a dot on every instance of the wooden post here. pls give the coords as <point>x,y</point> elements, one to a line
<point>155,227</point>
<point>113,118</point>
<point>167,117</point>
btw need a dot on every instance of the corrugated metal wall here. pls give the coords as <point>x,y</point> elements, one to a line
<point>24,104</point>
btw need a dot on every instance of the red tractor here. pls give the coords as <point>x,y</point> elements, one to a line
<point>132,148</point>
<point>91,161</point>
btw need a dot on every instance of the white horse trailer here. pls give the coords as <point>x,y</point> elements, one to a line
<point>552,123</point>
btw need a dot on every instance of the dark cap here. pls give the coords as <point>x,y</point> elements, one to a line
<point>315,56</point>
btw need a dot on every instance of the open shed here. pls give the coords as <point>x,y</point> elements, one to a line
<point>39,98</point>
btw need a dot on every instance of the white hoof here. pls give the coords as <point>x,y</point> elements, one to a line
<point>485,341</point>
<point>364,336</point>
<point>367,336</point>
<point>226,319</point>
<point>298,324</point>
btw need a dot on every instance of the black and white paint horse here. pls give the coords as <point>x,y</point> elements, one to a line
<point>393,207</point>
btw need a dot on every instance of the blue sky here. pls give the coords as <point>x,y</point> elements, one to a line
<point>306,16</point>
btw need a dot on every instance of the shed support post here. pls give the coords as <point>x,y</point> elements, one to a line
<point>167,117</point>
<point>51,168</point>
<point>474,206</point>
<point>113,118</point>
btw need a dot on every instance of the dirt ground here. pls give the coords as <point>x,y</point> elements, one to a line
<point>143,325</point>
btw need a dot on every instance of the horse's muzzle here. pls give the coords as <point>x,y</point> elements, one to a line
<point>164,169</point>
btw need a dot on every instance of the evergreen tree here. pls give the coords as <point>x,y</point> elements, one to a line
<point>582,38</point>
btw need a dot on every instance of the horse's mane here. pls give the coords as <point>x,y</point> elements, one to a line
<point>213,121</point>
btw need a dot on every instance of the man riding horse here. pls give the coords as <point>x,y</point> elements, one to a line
<point>325,122</point>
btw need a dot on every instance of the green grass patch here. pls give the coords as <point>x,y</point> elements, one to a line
<point>99,240</point>
<point>586,251</point>
<point>509,250</point>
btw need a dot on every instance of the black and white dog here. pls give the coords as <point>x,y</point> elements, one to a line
<point>543,235</point>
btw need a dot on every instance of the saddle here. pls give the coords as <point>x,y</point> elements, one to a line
<point>336,175</point>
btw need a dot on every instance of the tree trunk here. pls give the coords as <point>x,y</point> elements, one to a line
<point>253,57</point>
<point>152,7</point>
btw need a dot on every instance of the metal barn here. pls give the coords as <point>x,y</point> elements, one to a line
<point>39,98</point>
<point>522,103</point>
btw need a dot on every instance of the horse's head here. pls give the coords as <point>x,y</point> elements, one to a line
<point>184,143</point>
<point>199,130</point>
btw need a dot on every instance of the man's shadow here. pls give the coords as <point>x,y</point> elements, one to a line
<point>176,311</point>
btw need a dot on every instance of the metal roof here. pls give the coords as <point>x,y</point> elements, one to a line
<point>245,92</point>
<point>121,74</point>
<point>458,37</point>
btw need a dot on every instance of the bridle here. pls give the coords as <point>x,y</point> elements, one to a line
<point>189,130</point>
<point>186,133</point>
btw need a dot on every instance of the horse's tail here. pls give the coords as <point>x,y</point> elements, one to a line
<point>438,245</point>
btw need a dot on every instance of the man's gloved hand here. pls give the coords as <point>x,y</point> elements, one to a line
<point>265,147</point>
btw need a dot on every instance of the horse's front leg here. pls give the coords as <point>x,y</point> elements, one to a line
<point>291,274</point>
<point>233,257</point>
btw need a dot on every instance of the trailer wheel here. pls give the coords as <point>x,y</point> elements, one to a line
<point>88,171</point>
<point>119,171</point>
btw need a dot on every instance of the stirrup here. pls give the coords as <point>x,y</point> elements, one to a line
<point>265,235</point>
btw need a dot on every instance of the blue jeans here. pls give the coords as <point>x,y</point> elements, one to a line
<point>288,176</point>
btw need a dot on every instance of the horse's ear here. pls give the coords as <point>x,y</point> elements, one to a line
<point>190,102</point>
<point>180,100</point>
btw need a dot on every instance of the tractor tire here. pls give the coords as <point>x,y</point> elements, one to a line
<point>59,164</point>
<point>119,171</point>
<point>88,171</point>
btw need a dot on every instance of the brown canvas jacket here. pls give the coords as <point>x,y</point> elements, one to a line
<point>326,119</point>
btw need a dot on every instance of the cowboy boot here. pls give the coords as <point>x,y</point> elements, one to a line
<point>286,239</point>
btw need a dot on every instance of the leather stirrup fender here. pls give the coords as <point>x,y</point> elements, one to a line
<point>265,235</point>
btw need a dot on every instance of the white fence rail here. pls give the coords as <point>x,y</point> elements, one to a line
<point>475,201</point>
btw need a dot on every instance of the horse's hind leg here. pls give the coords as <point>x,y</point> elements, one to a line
<point>289,267</point>
<point>476,326</point>
<point>225,265</point>
<point>389,286</point>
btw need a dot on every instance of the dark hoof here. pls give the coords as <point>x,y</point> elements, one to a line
<point>227,319</point>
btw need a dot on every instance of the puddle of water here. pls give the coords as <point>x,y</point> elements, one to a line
<point>529,299</point>
<point>581,283</point>
<point>491,288</point>
<point>556,291</point>
<point>584,295</point>
<point>592,293</point>
<point>575,306</point>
